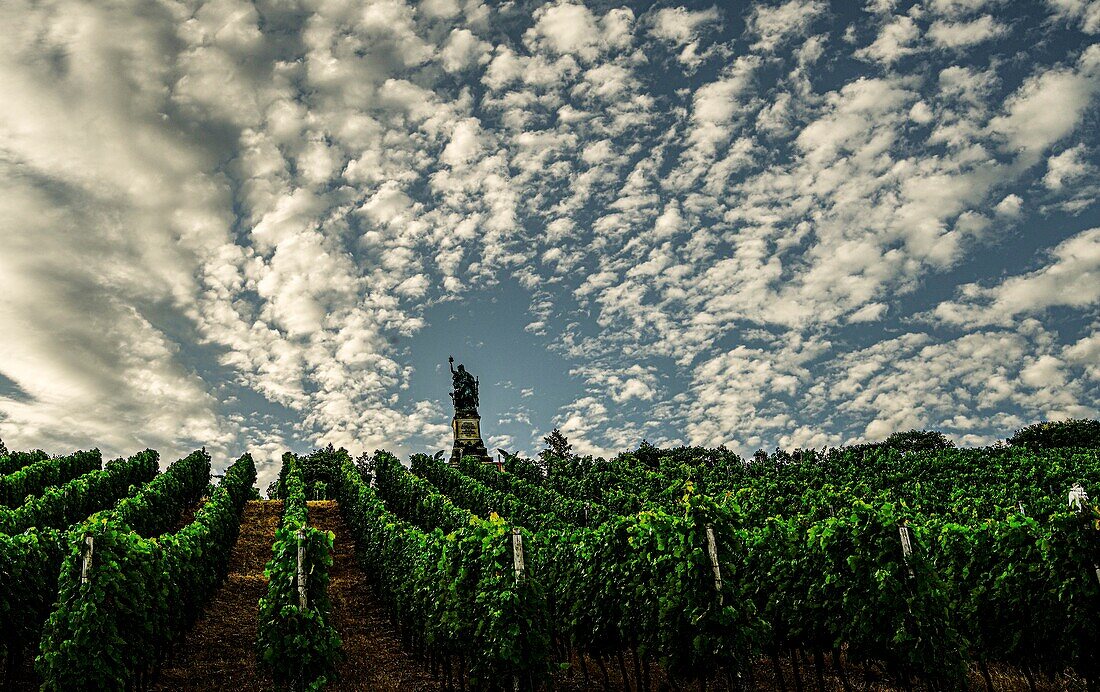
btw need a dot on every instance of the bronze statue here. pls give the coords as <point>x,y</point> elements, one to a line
<point>466,423</point>
<point>464,395</point>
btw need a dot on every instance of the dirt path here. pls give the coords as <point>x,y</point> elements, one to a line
<point>219,652</point>
<point>374,659</point>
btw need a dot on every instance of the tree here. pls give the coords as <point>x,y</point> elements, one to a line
<point>1067,433</point>
<point>649,454</point>
<point>3,449</point>
<point>557,448</point>
<point>918,441</point>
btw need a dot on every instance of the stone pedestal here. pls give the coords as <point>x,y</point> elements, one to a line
<point>468,443</point>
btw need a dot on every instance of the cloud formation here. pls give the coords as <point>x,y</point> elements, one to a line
<point>234,223</point>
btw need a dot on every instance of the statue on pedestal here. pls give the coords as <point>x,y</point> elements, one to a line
<point>464,395</point>
<point>466,423</point>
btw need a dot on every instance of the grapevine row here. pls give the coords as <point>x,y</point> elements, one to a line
<point>13,461</point>
<point>823,562</point>
<point>34,478</point>
<point>296,640</point>
<point>456,595</point>
<point>31,546</point>
<point>127,597</point>
<point>61,505</point>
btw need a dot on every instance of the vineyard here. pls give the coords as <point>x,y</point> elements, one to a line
<point>892,566</point>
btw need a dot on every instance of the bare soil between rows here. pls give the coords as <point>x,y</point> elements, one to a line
<point>373,656</point>
<point>219,653</point>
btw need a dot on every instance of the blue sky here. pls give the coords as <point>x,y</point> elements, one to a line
<point>265,225</point>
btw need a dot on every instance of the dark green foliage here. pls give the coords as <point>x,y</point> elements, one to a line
<point>648,455</point>
<point>820,530</point>
<point>673,614</point>
<point>142,593</point>
<point>1083,433</point>
<point>809,545</point>
<point>522,468</point>
<point>558,449</point>
<point>471,494</point>
<point>34,478</point>
<point>61,505</point>
<point>1012,583</point>
<point>276,490</point>
<point>918,441</point>
<point>448,578</point>
<point>10,462</point>
<point>321,466</point>
<point>156,509</point>
<point>885,607</point>
<point>298,644</point>
<point>3,449</point>
<point>622,485</point>
<point>415,499</point>
<point>541,507</point>
<point>30,559</point>
<point>29,563</point>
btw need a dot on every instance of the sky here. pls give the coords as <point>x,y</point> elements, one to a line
<point>264,226</point>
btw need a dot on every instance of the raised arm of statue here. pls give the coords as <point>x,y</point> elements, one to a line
<point>451,363</point>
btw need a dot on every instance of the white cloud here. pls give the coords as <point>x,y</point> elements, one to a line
<point>1045,371</point>
<point>716,108</point>
<point>620,384</point>
<point>894,41</point>
<point>1085,14</point>
<point>1009,207</point>
<point>737,398</point>
<point>772,25</point>
<point>266,209</point>
<point>957,8</point>
<point>1049,105</point>
<point>1066,166</point>
<point>388,205</point>
<point>566,28</point>
<point>504,68</point>
<point>1070,279</point>
<point>683,29</point>
<point>959,386</point>
<point>680,26</point>
<point>462,50</point>
<point>952,34</point>
<point>465,142</point>
<point>1085,353</point>
<point>443,9</point>
<point>870,312</point>
<point>921,113</point>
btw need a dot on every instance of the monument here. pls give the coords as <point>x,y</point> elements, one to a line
<point>466,423</point>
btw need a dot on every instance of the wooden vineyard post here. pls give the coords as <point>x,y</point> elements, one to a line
<point>86,560</point>
<point>906,546</point>
<point>517,553</point>
<point>520,570</point>
<point>301,569</point>
<point>712,551</point>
